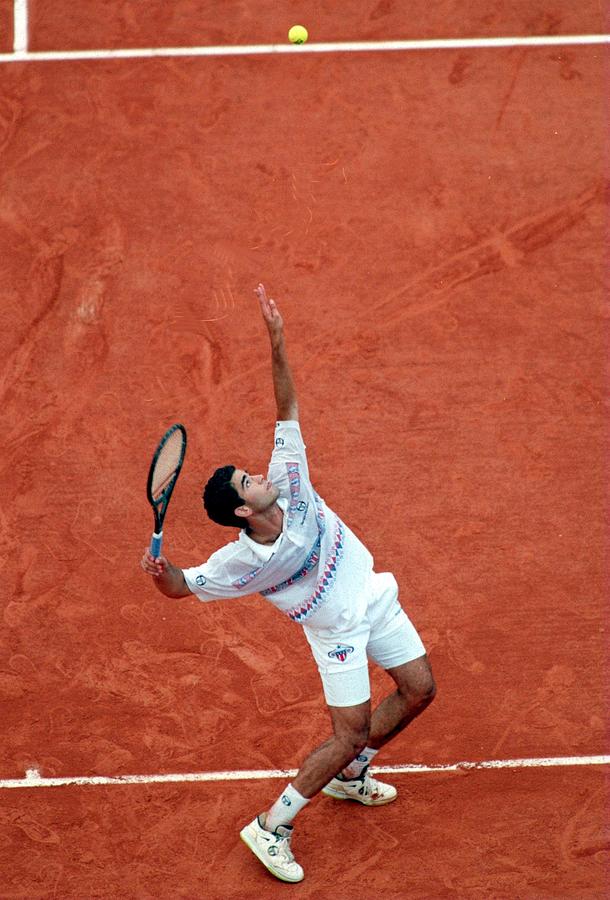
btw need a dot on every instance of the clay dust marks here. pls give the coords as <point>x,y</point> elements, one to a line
<point>491,256</point>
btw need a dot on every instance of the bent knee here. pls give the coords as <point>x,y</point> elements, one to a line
<point>428,692</point>
<point>354,739</point>
<point>351,726</point>
<point>422,692</point>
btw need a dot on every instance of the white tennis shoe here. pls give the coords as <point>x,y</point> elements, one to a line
<point>273,849</point>
<point>364,789</point>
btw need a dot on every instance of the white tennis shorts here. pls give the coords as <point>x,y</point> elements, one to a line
<point>385,634</point>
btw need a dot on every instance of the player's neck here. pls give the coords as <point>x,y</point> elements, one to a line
<point>265,528</point>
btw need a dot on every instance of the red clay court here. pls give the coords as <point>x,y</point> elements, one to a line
<point>432,220</point>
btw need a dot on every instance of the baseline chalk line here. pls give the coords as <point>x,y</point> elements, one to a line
<point>21,53</point>
<point>33,779</point>
<point>20,26</point>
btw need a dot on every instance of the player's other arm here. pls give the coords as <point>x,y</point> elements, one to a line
<point>287,408</point>
<point>167,578</point>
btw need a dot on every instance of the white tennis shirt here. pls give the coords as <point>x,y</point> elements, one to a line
<point>317,572</point>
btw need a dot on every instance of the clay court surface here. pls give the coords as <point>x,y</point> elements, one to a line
<point>433,225</point>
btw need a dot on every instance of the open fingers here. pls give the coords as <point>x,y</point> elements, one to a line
<point>261,293</point>
<point>267,305</point>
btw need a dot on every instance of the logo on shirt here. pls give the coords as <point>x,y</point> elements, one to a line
<point>302,507</point>
<point>341,652</point>
<point>279,442</point>
<point>200,580</point>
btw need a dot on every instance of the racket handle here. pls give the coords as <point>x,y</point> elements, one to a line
<point>155,544</point>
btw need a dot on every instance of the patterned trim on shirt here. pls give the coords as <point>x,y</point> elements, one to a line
<point>320,514</point>
<point>325,582</point>
<point>313,558</point>
<point>246,579</point>
<point>294,483</point>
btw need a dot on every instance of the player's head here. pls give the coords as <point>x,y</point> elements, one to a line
<point>232,495</point>
<point>220,498</point>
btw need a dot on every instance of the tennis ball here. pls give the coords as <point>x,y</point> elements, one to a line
<point>297,34</point>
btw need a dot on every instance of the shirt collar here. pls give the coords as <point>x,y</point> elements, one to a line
<point>265,551</point>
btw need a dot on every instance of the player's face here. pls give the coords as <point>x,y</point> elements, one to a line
<point>256,491</point>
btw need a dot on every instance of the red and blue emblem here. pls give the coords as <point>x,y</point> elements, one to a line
<point>341,652</point>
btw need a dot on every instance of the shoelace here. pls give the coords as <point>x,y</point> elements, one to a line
<point>282,845</point>
<point>371,787</point>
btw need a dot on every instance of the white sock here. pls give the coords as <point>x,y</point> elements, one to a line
<point>285,808</point>
<point>358,765</point>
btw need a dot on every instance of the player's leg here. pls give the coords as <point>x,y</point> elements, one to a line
<point>395,645</point>
<point>350,735</point>
<point>269,835</point>
<point>415,691</point>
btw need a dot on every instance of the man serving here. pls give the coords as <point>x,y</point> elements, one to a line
<point>299,555</point>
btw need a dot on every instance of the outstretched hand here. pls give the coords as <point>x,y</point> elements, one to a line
<point>271,314</point>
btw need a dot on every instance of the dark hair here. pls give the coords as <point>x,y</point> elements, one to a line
<point>220,498</point>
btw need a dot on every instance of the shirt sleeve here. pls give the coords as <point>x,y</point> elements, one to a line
<point>289,449</point>
<point>223,576</point>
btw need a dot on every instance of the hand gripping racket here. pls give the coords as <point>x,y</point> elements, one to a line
<point>162,477</point>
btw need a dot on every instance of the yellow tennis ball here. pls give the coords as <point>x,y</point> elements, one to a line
<point>297,34</point>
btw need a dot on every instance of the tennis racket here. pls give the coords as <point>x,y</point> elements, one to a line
<point>162,477</point>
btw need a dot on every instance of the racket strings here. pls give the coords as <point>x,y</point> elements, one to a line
<point>167,463</point>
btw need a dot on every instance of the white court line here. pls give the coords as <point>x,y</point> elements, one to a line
<point>20,26</point>
<point>22,55</point>
<point>33,778</point>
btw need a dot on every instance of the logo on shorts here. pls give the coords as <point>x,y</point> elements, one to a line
<point>200,580</point>
<point>279,442</point>
<point>341,652</point>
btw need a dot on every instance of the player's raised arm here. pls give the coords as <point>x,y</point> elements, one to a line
<point>283,384</point>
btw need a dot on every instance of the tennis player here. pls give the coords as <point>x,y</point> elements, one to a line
<point>296,552</point>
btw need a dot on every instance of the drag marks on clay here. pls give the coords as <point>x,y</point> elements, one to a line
<point>521,57</point>
<point>83,340</point>
<point>492,255</point>
<point>274,677</point>
<point>224,304</point>
<point>132,676</point>
<point>368,866</point>
<point>584,834</point>
<point>549,715</point>
<point>35,831</point>
<point>223,283</point>
<point>435,287</point>
<point>102,262</point>
<point>461,653</point>
<point>85,529</point>
<point>280,697</point>
<point>10,114</point>
<point>459,69</point>
<point>260,657</point>
<point>23,678</point>
<point>44,285</point>
<point>289,210</point>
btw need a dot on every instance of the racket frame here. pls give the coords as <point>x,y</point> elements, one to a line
<point>160,505</point>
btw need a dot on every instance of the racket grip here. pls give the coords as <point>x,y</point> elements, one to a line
<point>155,544</point>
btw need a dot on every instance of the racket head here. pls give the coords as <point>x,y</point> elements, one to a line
<point>164,471</point>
